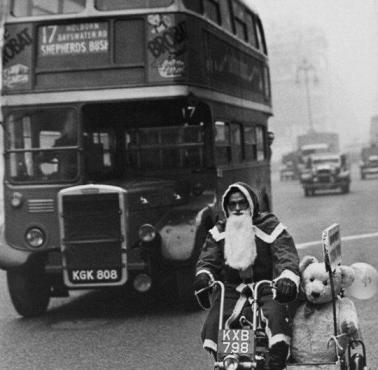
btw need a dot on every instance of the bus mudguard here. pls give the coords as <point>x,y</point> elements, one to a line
<point>183,231</point>
<point>11,257</point>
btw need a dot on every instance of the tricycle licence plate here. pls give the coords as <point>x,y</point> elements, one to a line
<point>238,341</point>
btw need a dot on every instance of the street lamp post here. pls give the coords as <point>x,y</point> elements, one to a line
<point>306,68</point>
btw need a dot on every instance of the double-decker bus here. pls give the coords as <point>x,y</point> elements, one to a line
<point>124,122</point>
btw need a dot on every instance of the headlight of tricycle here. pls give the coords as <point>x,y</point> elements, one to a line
<point>231,362</point>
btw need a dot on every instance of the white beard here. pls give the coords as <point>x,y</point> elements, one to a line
<point>240,244</point>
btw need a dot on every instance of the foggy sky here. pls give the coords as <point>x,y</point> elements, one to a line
<point>350,27</point>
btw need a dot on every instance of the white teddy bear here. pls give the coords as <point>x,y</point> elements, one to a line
<point>313,324</point>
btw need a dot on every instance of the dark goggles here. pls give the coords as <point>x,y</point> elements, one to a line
<point>243,205</point>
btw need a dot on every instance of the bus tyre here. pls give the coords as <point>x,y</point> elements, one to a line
<point>185,290</point>
<point>29,290</point>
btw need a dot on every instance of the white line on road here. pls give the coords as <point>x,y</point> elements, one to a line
<point>345,238</point>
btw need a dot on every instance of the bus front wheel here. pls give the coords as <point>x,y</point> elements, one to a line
<point>29,290</point>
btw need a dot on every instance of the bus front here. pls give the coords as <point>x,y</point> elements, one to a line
<point>108,179</point>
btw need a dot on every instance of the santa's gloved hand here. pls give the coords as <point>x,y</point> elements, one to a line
<point>201,282</point>
<point>286,290</point>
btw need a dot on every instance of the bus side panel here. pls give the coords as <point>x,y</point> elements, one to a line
<point>257,173</point>
<point>224,66</point>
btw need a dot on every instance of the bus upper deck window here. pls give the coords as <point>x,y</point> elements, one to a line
<point>27,8</point>
<point>260,36</point>
<point>212,11</point>
<point>194,5</point>
<point>131,4</point>
<point>252,37</point>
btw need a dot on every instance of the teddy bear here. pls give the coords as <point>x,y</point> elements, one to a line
<point>313,324</point>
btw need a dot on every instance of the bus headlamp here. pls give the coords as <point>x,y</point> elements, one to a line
<point>147,233</point>
<point>16,200</point>
<point>35,237</point>
<point>142,283</point>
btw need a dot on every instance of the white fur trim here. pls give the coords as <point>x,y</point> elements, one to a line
<point>241,286</point>
<point>216,234</point>
<point>279,338</point>
<point>207,272</point>
<point>237,311</point>
<point>244,191</point>
<point>210,345</point>
<point>273,236</point>
<point>289,275</point>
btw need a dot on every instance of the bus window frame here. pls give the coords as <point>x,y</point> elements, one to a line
<point>266,82</point>
<point>15,150</point>
<point>207,14</point>
<point>114,8</point>
<point>259,29</point>
<point>238,20</point>
<point>251,29</point>
<point>237,154</point>
<point>252,144</point>
<point>162,148</point>
<point>30,12</point>
<point>226,144</point>
<point>261,145</point>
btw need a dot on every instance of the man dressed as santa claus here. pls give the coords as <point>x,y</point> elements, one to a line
<point>249,246</point>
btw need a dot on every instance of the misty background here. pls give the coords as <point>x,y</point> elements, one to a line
<point>338,40</point>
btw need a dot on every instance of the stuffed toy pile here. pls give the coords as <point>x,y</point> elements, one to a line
<point>313,324</point>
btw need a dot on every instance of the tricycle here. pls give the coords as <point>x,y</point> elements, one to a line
<point>243,342</point>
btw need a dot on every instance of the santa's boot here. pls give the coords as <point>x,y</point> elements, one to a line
<point>277,356</point>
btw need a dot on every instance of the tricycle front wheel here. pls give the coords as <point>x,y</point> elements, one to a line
<point>357,362</point>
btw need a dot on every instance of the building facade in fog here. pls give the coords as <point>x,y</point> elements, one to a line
<point>295,111</point>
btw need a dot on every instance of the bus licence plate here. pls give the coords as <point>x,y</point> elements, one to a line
<point>238,341</point>
<point>80,276</point>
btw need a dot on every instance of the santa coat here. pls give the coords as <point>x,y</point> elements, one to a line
<point>276,257</point>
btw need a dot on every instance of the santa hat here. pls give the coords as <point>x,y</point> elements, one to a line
<point>247,191</point>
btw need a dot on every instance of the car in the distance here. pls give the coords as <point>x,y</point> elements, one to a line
<point>326,171</point>
<point>369,166</point>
